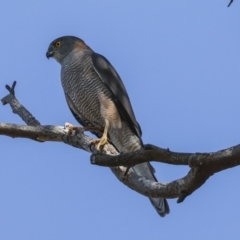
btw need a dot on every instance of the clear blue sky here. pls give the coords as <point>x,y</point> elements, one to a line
<point>179,61</point>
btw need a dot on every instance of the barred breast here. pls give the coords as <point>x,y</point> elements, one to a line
<point>82,86</point>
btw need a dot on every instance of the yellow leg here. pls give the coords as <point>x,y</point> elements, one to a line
<point>103,140</point>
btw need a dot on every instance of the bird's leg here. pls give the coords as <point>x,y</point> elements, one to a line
<point>72,128</point>
<point>103,140</point>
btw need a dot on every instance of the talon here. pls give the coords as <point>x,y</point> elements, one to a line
<point>72,128</point>
<point>100,142</point>
<point>68,125</point>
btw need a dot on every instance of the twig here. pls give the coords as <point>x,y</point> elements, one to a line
<point>17,108</point>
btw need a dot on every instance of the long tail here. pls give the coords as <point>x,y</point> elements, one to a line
<point>160,204</point>
<point>133,143</point>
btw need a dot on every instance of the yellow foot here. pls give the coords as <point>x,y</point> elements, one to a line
<point>103,140</point>
<point>100,142</point>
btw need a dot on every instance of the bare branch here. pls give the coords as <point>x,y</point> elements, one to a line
<point>217,161</point>
<point>146,154</point>
<point>17,108</point>
<point>140,184</point>
<point>203,165</point>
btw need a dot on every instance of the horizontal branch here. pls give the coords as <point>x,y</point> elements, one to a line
<point>38,133</point>
<point>53,134</point>
<point>80,140</point>
<point>215,161</point>
<point>146,154</point>
<point>202,165</point>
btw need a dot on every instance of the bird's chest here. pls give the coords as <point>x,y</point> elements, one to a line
<point>82,86</point>
<point>81,83</point>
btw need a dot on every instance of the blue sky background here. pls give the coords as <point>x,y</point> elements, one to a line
<point>179,61</point>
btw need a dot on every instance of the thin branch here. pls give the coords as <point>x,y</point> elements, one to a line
<point>17,108</point>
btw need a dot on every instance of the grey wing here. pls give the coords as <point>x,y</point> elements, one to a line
<point>113,82</point>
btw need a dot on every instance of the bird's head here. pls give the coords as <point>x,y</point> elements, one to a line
<point>61,47</point>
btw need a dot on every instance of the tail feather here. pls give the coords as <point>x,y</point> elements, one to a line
<point>125,141</point>
<point>160,204</point>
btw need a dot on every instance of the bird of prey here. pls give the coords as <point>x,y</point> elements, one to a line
<point>97,98</point>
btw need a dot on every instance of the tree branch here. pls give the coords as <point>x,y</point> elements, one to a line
<point>17,108</point>
<point>202,165</point>
<point>215,162</point>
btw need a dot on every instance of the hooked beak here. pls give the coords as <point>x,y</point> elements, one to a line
<point>49,54</point>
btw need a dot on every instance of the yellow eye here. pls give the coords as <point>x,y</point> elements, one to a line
<point>58,44</point>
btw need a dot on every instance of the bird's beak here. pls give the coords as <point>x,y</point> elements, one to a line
<point>49,54</point>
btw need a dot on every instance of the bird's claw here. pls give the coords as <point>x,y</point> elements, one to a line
<point>100,142</point>
<point>72,128</point>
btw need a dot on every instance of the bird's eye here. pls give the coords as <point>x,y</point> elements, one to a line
<point>58,44</point>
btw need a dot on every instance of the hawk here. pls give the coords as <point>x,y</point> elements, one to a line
<point>97,98</point>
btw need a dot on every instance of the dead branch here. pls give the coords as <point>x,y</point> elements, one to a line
<point>202,165</point>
